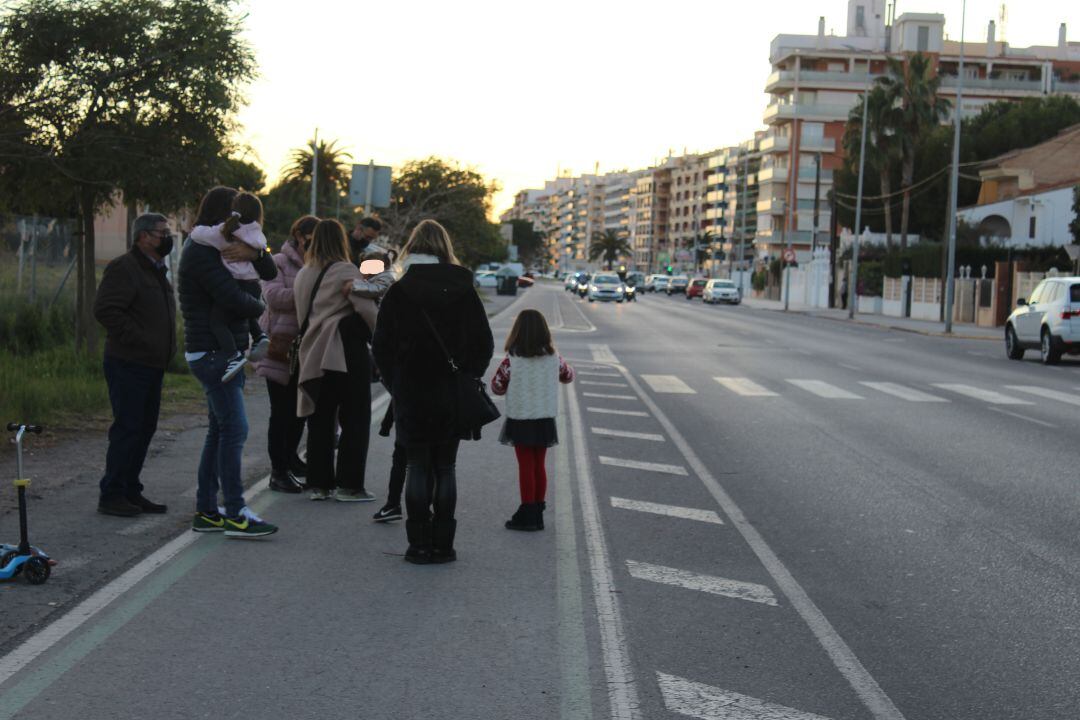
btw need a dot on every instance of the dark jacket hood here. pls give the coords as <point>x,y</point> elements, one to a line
<point>435,285</point>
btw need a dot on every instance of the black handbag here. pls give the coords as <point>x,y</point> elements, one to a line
<point>294,350</point>
<point>475,408</point>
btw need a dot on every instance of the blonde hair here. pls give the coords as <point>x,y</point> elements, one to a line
<point>328,244</point>
<point>430,238</point>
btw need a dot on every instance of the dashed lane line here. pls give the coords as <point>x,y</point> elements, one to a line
<point>705,702</point>
<point>646,466</point>
<point>602,396</point>
<point>627,413</point>
<point>735,589</point>
<point>851,367</point>
<point>706,516</point>
<point>627,434</point>
<point>988,396</point>
<point>668,384</point>
<point>1018,416</point>
<point>903,392</point>
<point>1046,393</point>
<point>824,390</point>
<point>596,383</point>
<point>843,658</point>
<point>590,373</point>
<point>745,387</point>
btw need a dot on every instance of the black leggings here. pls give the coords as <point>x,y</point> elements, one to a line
<point>425,488</point>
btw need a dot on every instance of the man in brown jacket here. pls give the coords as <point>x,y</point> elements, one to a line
<point>136,305</point>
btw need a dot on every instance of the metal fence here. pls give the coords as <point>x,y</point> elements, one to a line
<point>37,258</point>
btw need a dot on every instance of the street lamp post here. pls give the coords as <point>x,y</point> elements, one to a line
<point>954,179</point>
<point>742,231</point>
<point>853,285</point>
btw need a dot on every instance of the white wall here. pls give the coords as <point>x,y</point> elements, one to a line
<point>1052,210</point>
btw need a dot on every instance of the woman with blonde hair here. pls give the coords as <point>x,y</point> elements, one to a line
<point>431,325</point>
<point>335,372</point>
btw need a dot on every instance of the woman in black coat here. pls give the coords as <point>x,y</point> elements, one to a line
<point>435,294</point>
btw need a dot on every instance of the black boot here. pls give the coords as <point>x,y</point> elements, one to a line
<point>442,541</point>
<point>525,518</point>
<point>285,482</point>
<point>540,508</point>
<point>419,534</point>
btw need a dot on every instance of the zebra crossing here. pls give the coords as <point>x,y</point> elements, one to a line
<point>924,393</point>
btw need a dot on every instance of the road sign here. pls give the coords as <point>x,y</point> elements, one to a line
<point>789,255</point>
<point>370,185</point>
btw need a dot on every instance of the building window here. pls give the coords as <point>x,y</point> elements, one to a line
<point>1031,228</point>
<point>860,17</point>
<point>923,43</point>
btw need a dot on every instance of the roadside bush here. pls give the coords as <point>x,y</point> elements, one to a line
<point>757,280</point>
<point>30,327</point>
<point>871,278</point>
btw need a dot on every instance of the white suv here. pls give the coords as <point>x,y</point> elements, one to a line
<point>1048,320</point>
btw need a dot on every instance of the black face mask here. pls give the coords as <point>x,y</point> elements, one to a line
<point>165,246</point>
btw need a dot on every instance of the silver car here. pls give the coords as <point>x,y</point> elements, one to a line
<point>1048,320</point>
<point>606,286</point>
<point>721,291</point>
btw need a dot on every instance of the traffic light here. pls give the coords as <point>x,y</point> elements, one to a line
<point>670,268</point>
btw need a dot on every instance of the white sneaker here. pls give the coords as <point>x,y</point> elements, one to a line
<point>235,366</point>
<point>319,494</point>
<point>258,350</point>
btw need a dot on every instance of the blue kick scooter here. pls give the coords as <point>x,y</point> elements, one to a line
<point>32,563</point>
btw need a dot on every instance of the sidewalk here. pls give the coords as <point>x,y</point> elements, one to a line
<point>961,331</point>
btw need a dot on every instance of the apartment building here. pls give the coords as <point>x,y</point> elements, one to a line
<point>649,219</point>
<point>817,79</point>
<point>687,205</point>
<point>731,197</point>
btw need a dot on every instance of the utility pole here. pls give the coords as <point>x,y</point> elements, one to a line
<point>314,170</point>
<point>817,199</point>
<point>792,194</point>
<point>954,179</point>
<point>853,285</point>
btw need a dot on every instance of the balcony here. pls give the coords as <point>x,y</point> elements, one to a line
<point>784,80</point>
<point>778,112</point>
<point>1001,86</point>
<point>807,144</point>
<point>770,206</point>
<point>1060,86</point>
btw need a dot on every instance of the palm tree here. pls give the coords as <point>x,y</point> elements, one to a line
<point>608,245</point>
<point>912,91</point>
<point>334,168</point>
<point>882,144</point>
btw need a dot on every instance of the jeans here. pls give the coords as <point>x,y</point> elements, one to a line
<point>431,483</point>
<point>284,429</point>
<point>135,396</point>
<point>219,466</point>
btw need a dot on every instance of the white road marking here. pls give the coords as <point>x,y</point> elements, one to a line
<point>140,526</point>
<point>602,354</point>
<point>638,465</point>
<point>824,389</point>
<point>745,387</point>
<point>842,656</point>
<point>709,703</point>
<point>625,434</point>
<point>706,516</point>
<point>668,384</point>
<point>850,367</point>
<point>903,392</point>
<point>1018,416</point>
<point>703,583</point>
<point>628,413</point>
<point>1047,393</point>
<point>608,397</point>
<point>596,383</point>
<point>622,689</point>
<point>994,398</point>
<point>590,373</point>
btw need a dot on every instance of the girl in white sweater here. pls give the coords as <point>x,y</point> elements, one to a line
<point>529,376</point>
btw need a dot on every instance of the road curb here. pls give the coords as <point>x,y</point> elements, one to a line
<point>882,326</point>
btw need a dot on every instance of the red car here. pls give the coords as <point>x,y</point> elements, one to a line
<point>525,281</point>
<point>695,288</point>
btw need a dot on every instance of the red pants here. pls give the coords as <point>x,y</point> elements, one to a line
<point>532,478</point>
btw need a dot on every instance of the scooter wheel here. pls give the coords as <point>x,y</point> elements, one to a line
<point>36,570</point>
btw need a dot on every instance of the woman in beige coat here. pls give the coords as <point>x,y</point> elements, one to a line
<point>335,369</point>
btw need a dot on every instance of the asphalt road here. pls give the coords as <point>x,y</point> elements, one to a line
<point>753,515</point>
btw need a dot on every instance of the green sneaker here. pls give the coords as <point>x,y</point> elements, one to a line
<point>248,525</point>
<point>343,495</point>
<point>208,523</point>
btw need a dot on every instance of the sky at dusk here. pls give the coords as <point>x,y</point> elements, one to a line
<point>520,90</point>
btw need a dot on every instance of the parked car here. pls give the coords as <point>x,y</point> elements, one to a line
<point>677,284</point>
<point>717,290</point>
<point>525,281</point>
<point>660,283</point>
<point>1049,320</point>
<point>606,286</point>
<point>485,278</point>
<point>695,288</point>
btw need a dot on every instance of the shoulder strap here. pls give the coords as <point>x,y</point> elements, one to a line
<point>438,339</point>
<point>311,301</point>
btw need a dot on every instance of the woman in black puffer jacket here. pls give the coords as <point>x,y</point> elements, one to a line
<point>203,282</point>
<point>435,294</point>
